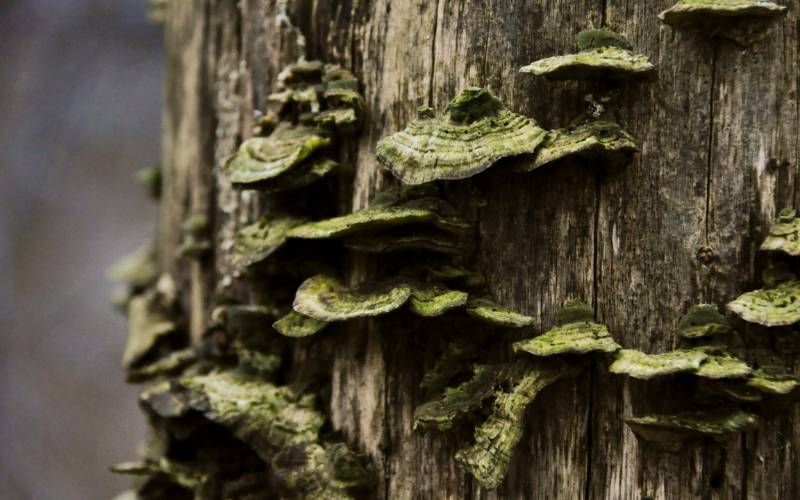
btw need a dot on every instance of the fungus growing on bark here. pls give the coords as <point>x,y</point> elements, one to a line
<point>475,132</point>
<point>702,320</point>
<point>150,178</point>
<point>486,310</point>
<point>298,325</point>
<point>784,236</point>
<point>256,242</point>
<point>196,242</point>
<point>775,306</point>
<point>639,365</point>
<point>670,431</point>
<point>489,457</point>
<point>601,139</point>
<point>137,272</point>
<point>263,160</point>
<point>150,319</point>
<point>603,55</point>
<point>171,364</point>
<point>723,365</point>
<point>321,471</point>
<point>577,333</point>
<point>744,21</point>
<point>768,382</point>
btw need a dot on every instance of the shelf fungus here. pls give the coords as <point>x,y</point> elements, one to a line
<point>328,471</point>
<point>639,365</point>
<point>196,240</point>
<point>778,384</point>
<point>784,236</point>
<point>775,306</point>
<point>257,242</point>
<point>744,21</point>
<point>702,320</point>
<point>602,55</point>
<point>137,272</point>
<point>496,439</point>
<point>602,139</point>
<point>670,431</point>
<point>475,132</point>
<point>150,321</point>
<point>577,334</point>
<point>298,325</point>
<point>265,162</point>
<point>490,312</point>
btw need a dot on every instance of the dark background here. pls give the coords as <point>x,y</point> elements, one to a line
<point>80,97</point>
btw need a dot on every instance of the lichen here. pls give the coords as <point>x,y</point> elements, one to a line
<point>577,334</point>
<point>776,306</point>
<point>639,365</point>
<point>601,139</point>
<point>784,236</point>
<point>605,63</point>
<point>702,320</point>
<point>744,21</point>
<point>489,457</point>
<point>671,430</point>
<point>298,325</point>
<point>475,132</point>
<point>496,314</point>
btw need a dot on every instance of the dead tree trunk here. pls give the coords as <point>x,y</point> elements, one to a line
<point>718,133</point>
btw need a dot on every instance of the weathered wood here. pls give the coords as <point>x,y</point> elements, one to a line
<point>718,133</point>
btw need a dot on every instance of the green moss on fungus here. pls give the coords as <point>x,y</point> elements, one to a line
<point>601,37</point>
<point>605,63</point>
<point>776,306</point>
<point>475,132</point>
<point>601,139</point>
<point>723,365</point>
<point>744,21</point>
<point>671,430</point>
<point>171,364</point>
<point>138,270</point>
<point>784,236</point>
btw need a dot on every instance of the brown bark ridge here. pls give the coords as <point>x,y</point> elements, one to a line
<point>718,134</point>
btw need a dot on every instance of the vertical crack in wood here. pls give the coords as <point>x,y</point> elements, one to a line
<point>709,167</point>
<point>433,53</point>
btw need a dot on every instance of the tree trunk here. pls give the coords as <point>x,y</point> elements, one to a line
<point>718,137</point>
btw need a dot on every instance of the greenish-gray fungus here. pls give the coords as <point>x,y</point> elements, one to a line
<point>702,320</point>
<point>171,364</point>
<point>603,55</point>
<point>784,236</point>
<point>602,37</point>
<point>776,306</point>
<point>327,299</point>
<point>457,402</point>
<point>150,178</point>
<point>744,21</point>
<point>256,242</point>
<point>723,366</point>
<point>196,243</point>
<point>475,132</point>
<point>325,472</point>
<point>639,365</point>
<point>670,431</point>
<point>139,270</point>
<point>577,334</point>
<point>262,159</point>
<point>298,325</point>
<point>773,383</point>
<point>491,312</point>
<point>489,457</point>
<point>434,300</point>
<point>601,139</point>
<point>148,323</point>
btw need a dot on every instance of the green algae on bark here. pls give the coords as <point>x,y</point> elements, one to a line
<point>775,306</point>
<point>639,365</point>
<point>744,21</point>
<point>475,132</point>
<point>784,236</point>
<point>611,62</point>
<point>489,457</point>
<point>496,314</point>
<point>670,431</point>
<point>702,320</point>
<point>601,139</point>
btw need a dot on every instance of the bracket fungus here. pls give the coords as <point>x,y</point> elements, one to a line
<point>196,242</point>
<point>490,312</point>
<point>744,21</point>
<point>150,320</point>
<point>298,325</point>
<point>670,431</point>
<point>784,236</point>
<point>137,272</point>
<point>603,55</point>
<point>639,365</point>
<point>702,320</point>
<point>601,139</point>
<point>775,306</point>
<point>475,132</point>
<point>577,334</point>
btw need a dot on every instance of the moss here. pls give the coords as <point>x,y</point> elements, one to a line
<point>784,236</point>
<point>702,320</point>
<point>776,306</point>
<point>744,21</point>
<point>607,63</point>
<point>496,314</point>
<point>475,133</point>
<point>602,37</point>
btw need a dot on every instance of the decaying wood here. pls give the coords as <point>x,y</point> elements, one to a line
<point>718,134</point>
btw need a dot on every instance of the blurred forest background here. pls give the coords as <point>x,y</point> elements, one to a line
<point>80,98</point>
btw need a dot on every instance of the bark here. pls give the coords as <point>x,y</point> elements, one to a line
<point>718,135</point>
